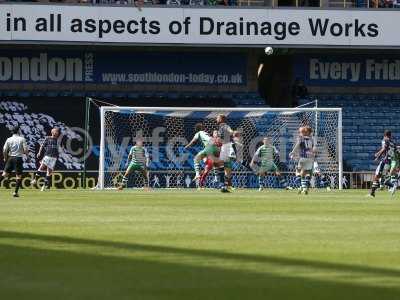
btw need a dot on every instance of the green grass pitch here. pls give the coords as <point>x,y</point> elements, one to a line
<point>199,245</point>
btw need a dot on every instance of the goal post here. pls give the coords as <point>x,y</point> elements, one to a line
<point>166,130</point>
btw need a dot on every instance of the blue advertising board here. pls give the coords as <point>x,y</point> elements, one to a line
<point>113,67</point>
<point>348,70</point>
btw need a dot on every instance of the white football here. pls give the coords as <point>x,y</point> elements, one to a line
<point>269,50</point>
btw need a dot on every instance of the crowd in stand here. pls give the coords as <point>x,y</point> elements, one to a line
<point>140,2</point>
<point>173,2</point>
<point>384,3</point>
<point>313,3</point>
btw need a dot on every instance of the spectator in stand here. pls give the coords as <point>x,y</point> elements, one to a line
<point>140,3</point>
<point>381,3</point>
<point>230,2</point>
<point>387,3</point>
<point>373,3</point>
<point>196,2</point>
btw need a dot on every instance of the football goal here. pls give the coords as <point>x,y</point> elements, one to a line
<point>166,131</point>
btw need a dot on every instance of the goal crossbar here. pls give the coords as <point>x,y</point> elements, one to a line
<point>219,109</point>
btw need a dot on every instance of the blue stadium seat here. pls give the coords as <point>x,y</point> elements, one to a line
<point>10,93</point>
<point>79,94</point>
<point>396,97</point>
<point>133,95</point>
<point>337,97</point>
<point>173,96</point>
<point>202,96</point>
<point>66,94</point>
<point>147,95</point>
<point>120,95</point>
<point>260,102</point>
<point>106,95</point>
<point>365,117</point>
<point>91,94</point>
<point>215,96</point>
<point>23,94</point>
<point>52,94</point>
<point>38,94</point>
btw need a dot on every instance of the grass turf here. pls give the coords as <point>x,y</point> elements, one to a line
<point>199,245</point>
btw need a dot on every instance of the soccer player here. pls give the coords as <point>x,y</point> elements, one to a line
<point>388,154</point>
<point>227,152</point>
<point>306,151</point>
<point>139,161</point>
<point>265,154</point>
<point>296,184</point>
<point>212,159</point>
<point>14,149</point>
<point>49,151</point>
<point>384,174</point>
<point>203,137</point>
<point>320,179</point>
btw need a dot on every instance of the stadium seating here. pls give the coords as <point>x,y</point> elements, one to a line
<point>249,99</point>
<point>365,117</point>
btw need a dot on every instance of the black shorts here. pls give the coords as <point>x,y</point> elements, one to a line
<point>14,164</point>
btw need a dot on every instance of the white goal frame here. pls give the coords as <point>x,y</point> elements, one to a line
<point>105,109</point>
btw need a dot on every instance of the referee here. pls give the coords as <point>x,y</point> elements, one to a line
<point>14,149</point>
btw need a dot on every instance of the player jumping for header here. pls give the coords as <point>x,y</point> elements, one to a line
<point>212,160</point>
<point>139,161</point>
<point>227,152</point>
<point>208,148</point>
<point>305,149</point>
<point>14,150</point>
<point>388,155</point>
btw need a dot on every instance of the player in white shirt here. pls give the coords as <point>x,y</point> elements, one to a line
<point>227,152</point>
<point>14,150</point>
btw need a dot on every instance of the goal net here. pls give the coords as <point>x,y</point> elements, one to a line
<point>165,132</point>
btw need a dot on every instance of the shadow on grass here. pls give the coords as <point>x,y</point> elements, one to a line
<point>30,273</point>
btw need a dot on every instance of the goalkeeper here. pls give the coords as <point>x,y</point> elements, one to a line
<point>265,155</point>
<point>139,161</point>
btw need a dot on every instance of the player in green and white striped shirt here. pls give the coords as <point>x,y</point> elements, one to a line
<point>139,161</point>
<point>265,156</point>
